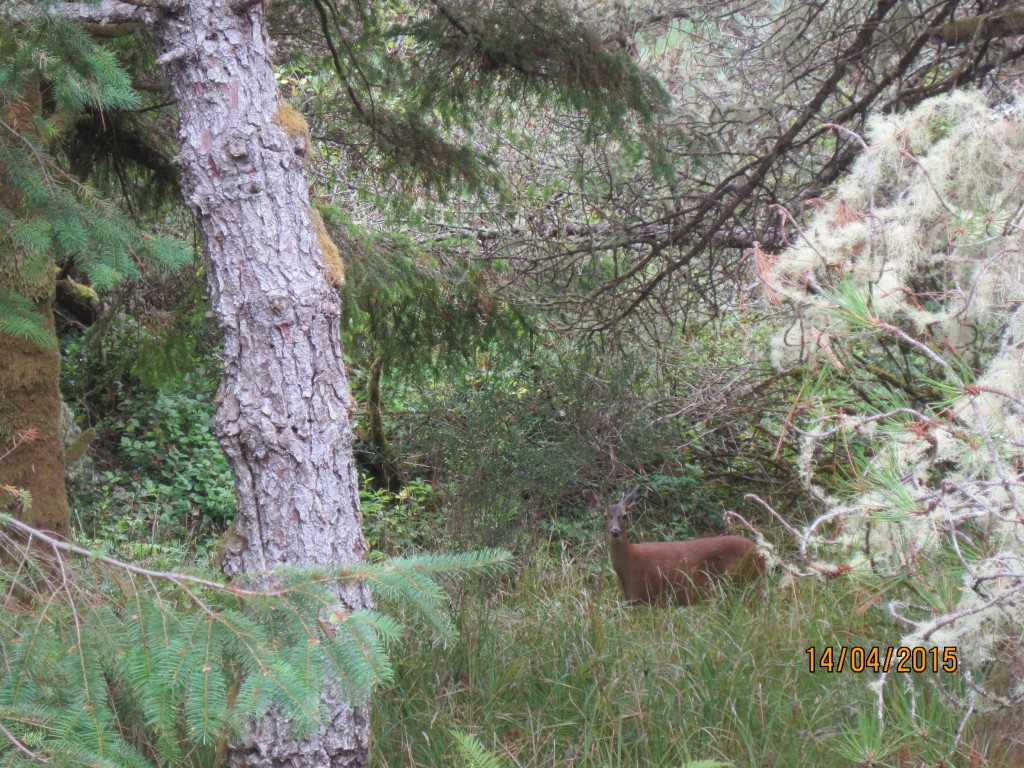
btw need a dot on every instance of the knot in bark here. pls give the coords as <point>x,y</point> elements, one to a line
<point>278,303</point>
<point>238,148</point>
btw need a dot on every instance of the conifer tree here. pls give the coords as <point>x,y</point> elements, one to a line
<point>50,73</point>
<point>284,405</point>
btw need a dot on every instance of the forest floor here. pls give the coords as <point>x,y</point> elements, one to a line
<point>550,668</point>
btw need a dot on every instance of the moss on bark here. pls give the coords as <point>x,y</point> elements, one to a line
<point>30,400</point>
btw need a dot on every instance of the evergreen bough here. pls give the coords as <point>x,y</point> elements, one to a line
<point>109,664</point>
<point>52,72</point>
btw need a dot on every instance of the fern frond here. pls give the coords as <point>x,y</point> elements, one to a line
<point>474,753</point>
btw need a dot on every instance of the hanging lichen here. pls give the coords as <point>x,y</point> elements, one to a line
<point>922,250</point>
<point>927,205</point>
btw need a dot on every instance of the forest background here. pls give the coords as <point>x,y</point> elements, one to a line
<point>760,258</point>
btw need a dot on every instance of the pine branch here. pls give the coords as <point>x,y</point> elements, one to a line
<point>387,574</point>
<point>174,661</point>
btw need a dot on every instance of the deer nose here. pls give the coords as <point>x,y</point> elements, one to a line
<point>615,532</point>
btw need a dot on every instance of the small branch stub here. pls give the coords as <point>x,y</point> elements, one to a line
<point>238,149</point>
<point>171,56</point>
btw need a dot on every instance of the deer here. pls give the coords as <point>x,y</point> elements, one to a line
<point>655,572</point>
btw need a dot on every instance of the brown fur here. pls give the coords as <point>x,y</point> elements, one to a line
<point>683,571</point>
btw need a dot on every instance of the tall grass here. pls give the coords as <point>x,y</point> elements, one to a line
<point>551,669</point>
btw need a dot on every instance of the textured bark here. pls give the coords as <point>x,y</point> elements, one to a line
<point>30,374</point>
<point>30,399</point>
<point>284,406</point>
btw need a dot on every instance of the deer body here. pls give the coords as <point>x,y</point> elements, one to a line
<point>683,571</point>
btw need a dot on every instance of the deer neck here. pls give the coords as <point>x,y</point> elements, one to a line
<point>619,550</point>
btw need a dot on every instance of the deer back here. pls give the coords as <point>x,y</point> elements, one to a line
<point>685,571</point>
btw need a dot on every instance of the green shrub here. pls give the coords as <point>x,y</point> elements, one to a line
<point>510,442</point>
<point>171,445</point>
<point>167,481</point>
<point>397,522</point>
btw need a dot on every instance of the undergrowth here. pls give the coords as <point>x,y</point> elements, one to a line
<point>110,664</point>
<point>551,669</point>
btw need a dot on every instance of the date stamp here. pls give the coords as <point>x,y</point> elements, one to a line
<point>901,658</point>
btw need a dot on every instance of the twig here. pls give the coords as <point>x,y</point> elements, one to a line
<point>176,578</point>
<point>23,749</point>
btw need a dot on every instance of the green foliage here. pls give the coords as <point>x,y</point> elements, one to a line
<point>128,668</point>
<point>19,318</point>
<point>23,497</point>
<point>474,753</point>
<point>150,391</point>
<point>50,72</point>
<point>512,440</point>
<point>408,311</point>
<point>145,350</point>
<point>83,74</point>
<point>504,447</point>
<point>395,522</point>
<point>174,469</point>
<point>416,307</point>
<point>866,742</point>
<point>686,489</point>
<point>548,51</point>
<point>430,77</point>
<point>148,386</point>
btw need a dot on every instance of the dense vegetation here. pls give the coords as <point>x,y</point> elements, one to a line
<point>757,258</point>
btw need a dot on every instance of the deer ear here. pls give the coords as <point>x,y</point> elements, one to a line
<point>593,499</point>
<point>630,497</point>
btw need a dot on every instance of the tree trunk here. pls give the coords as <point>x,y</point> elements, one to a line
<point>382,463</point>
<point>284,407</point>
<point>30,373</point>
<point>30,399</point>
